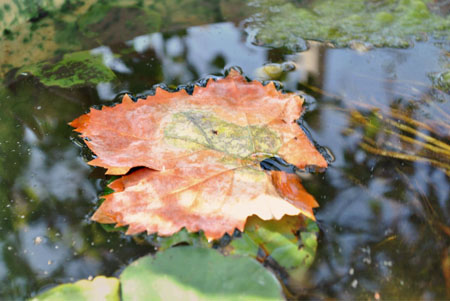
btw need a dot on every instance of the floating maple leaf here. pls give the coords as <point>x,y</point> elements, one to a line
<point>202,155</point>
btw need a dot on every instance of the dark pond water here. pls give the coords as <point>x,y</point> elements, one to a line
<point>384,221</point>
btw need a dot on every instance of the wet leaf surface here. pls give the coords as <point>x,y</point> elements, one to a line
<point>291,241</point>
<point>202,155</point>
<point>99,289</point>
<point>190,273</point>
<point>206,275</point>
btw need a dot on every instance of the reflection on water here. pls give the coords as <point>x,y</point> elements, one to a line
<point>383,220</point>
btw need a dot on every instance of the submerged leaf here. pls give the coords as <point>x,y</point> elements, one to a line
<point>291,241</point>
<point>182,273</point>
<point>101,288</point>
<point>205,275</point>
<point>202,155</point>
<point>182,237</point>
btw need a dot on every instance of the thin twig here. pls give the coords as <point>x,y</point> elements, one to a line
<point>407,157</point>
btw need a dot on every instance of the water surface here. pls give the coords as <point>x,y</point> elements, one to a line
<point>383,220</point>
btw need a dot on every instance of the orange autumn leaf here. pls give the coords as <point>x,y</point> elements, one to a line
<point>202,155</point>
<point>216,199</point>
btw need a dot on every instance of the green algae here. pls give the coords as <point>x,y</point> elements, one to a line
<point>54,27</point>
<point>441,80</point>
<point>389,23</point>
<point>73,69</point>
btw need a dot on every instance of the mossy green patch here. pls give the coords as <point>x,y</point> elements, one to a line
<point>380,23</point>
<point>441,80</point>
<point>74,69</point>
<point>74,25</point>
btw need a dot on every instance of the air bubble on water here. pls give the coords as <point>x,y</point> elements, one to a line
<point>367,260</point>
<point>365,250</point>
<point>288,66</point>
<point>329,155</point>
<point>37,240</point>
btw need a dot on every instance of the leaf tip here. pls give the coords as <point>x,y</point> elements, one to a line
<point>234,72</point>
<point>127,99</point>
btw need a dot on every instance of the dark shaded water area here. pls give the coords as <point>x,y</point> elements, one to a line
<point>384,221</point>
